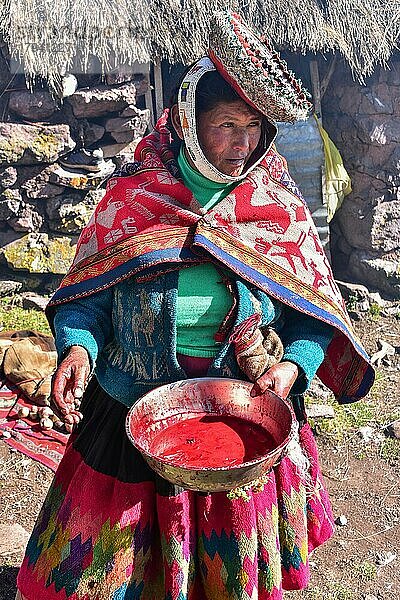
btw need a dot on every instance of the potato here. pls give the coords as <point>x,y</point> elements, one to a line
<point>34,415</point>
<point>46,412</point>
<point>46,423</point>
<point>23,412</point>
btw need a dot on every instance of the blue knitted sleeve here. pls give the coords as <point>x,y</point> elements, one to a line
<point>305,340</point>
<point>85,322</point>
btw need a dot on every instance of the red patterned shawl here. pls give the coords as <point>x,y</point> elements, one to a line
<point>149,221</point>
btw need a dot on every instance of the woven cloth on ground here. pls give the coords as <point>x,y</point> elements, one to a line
<point>149,221</point>
<point>28,360</point>
<point>44,446</point>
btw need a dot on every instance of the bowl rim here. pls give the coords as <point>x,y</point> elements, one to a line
<point>153,457</point>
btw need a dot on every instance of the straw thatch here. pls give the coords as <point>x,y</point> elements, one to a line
<point>49,38</point>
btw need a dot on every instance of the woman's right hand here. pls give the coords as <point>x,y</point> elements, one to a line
<point>69,383</point>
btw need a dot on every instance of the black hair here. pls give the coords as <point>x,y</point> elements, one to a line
<point>210,91</point>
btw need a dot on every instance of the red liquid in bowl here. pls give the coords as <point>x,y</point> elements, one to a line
<point>211,441</point>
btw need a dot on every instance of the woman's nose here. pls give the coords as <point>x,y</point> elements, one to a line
<point>241,138</point>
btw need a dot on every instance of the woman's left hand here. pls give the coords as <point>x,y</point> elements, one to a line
<point>279,379</point>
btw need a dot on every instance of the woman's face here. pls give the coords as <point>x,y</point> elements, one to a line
<point>228,134</point>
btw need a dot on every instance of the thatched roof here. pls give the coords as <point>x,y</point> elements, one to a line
<point>46,37</point>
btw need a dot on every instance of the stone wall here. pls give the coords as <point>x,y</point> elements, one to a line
<point>42,210</point>
<point>43,205</point>
<point>364,122</point>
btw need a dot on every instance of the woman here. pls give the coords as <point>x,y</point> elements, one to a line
<point>196,249</point>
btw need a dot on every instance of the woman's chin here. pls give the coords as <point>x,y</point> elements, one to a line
<point>233,171</point>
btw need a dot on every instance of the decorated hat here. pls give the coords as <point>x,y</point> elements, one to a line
<point>255,70</point>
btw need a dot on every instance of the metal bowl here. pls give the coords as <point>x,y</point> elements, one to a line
<point>166,405</point>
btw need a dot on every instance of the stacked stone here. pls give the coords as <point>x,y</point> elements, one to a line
<point>364,122</point>
<point>41,211</point>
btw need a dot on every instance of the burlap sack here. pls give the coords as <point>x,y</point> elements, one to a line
<point>29,362</point>
<point>4,344</point>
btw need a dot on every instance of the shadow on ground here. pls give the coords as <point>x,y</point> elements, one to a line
<point>8,578</point>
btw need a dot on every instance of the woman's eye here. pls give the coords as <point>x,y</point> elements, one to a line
<point>252,125</point>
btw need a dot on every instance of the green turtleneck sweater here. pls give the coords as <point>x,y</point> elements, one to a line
<point>203,299</point>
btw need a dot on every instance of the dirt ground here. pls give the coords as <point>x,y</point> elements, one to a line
<point>362,473</point>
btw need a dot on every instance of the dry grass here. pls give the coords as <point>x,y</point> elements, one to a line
<point>51,38</point>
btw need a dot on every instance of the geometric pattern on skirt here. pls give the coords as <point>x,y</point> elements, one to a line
<point>100,538</point>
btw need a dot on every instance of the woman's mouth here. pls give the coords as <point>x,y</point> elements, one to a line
<point>236,162</point>
<point>233,166</point>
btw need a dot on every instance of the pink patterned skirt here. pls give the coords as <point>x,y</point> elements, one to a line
<point>111,529</point>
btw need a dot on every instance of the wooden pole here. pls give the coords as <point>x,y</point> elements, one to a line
<point>316,91</point>
<point>149,98</point>
<point>323,213</point>
<point>158,89</point>
<point>328,76</point>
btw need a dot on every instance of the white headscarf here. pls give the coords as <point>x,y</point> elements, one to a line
<point>187,114</point>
